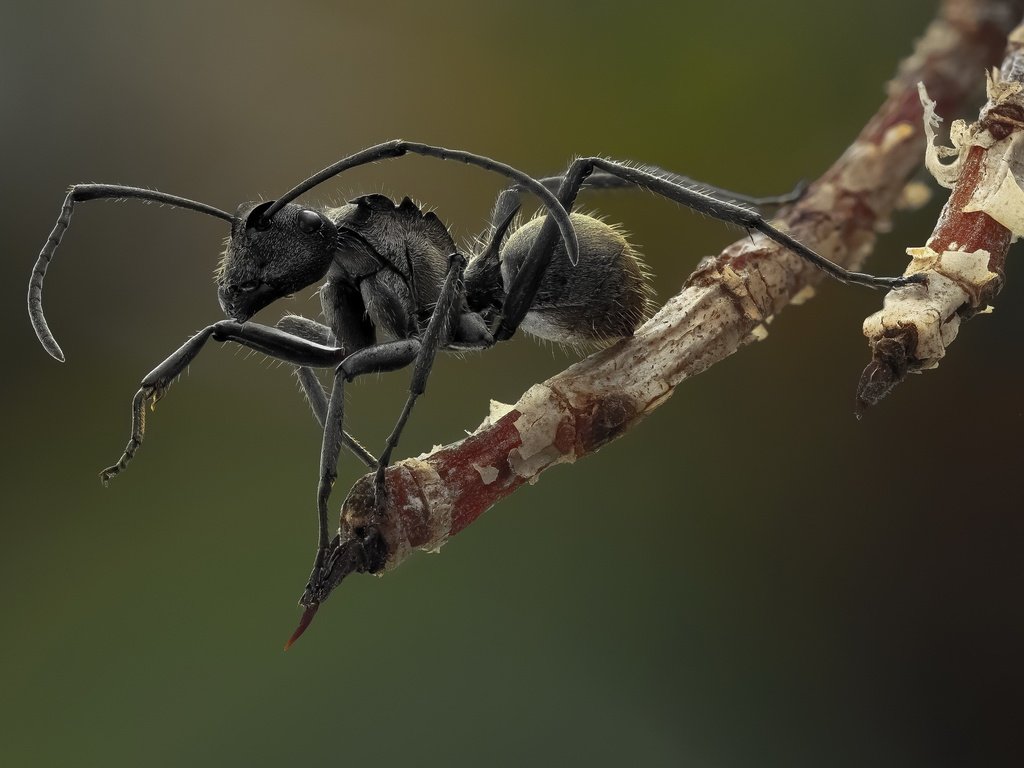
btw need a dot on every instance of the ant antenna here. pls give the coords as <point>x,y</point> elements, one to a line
<point>398,147</point>
<point>79,193</point>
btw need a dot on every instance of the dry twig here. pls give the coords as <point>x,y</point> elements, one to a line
<point>963,262</point>
<point>724,305</point>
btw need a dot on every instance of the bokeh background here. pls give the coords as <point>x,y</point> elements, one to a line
<point>751,578</point>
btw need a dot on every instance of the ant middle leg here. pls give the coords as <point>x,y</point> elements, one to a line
<point>378,358</point>
<point>441,328</point>
<point>310,383</point>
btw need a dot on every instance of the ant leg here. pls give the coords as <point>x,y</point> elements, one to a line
<point>723,211</point>
<point>311,386</point>
<point>527,282</point>
<point>379,358</point>
<point>270,341</point>
<point>329,451</point>
<point>604,180</point>
<point>437,334</point>
<point>508,202</point>
<point>318,403</point>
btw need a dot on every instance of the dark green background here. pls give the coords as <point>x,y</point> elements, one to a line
<point>751,578</point>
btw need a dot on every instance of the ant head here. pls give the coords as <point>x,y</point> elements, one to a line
<point>362,551</point>
<point>270,257</point>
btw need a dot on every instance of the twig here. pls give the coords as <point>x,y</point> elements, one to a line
<point>724,305</point>
<point>963,262</point>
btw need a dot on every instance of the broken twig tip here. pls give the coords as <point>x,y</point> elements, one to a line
<point>878,380</point>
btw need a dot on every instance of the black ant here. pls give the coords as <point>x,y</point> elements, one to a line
<point>393,270</point>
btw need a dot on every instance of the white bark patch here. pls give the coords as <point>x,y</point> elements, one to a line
<point>804,295</point>
<point>439,503</point>
<point>541,414</point>
<point>913,196</point>
<point>433,504</point>
<point>968,270</point>
<point>953,279</point>
<point>999,194</point>
<point>759,333</point>
<point>487,474</point>
<point>496,412</point>
<point>961,137</point>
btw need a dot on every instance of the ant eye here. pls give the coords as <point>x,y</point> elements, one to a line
<point>248,286</point>
<point>309,221</point>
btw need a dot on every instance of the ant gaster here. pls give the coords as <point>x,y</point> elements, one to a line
<point>393,271</point>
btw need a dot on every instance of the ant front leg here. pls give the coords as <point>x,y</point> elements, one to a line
<point>270,341</point>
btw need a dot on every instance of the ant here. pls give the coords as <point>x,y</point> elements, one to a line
<point>394,270</point>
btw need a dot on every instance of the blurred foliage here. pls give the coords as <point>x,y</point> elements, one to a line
<point>750,578</point>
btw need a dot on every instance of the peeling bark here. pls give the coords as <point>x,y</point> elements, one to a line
<point>964,260</point>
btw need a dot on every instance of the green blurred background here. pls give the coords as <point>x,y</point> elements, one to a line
<point>751,578</point>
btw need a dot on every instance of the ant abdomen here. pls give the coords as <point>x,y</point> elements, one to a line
<point>605,296</point>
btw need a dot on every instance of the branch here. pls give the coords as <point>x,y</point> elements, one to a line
<point>723,306</point>
<point>964,260</point>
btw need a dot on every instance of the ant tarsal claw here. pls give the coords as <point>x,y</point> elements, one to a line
<point>153,394</point>
<point>918,278</point>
